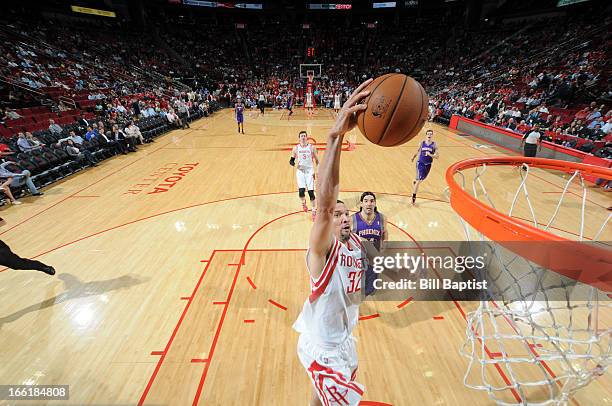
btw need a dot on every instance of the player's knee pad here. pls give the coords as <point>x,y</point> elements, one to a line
<point>311,194</point>
<point>302,192</point>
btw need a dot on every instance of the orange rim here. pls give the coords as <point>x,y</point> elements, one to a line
<point>585,262</point>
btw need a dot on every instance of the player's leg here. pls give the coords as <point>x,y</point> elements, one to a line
<point>422,172</point>
<point>302,195</point>
<point>11,260</point>
<point>310,180</point>
<point>311,195</point>
<point>5,187</point>
<point>302,183</point>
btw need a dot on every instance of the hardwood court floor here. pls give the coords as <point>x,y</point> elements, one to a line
<point>181,270</point>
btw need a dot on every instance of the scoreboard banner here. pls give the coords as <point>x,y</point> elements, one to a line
<point>388,4</point>
<point>93,11</point>
<point>215,4</point>
<point>343,6</point>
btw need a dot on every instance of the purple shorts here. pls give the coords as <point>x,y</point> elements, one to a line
<point>422,170</point>
<point>240,119</point>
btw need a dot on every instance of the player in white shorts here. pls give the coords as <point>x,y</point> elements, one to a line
<point>337,101</point>
<point>336,264</point>
<point>306,156</point>
<point>308,104</point>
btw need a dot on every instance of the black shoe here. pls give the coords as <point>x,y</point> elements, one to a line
<point>49,270</point>
<point>38,194</point>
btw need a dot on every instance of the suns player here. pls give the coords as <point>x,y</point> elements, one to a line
<point>335,261</point>
<point>369,224</point>
<point>306,156</point>
<point>239,113</point>
<point>337,101</point>
<point>428,150</point>
<point>290,102</point>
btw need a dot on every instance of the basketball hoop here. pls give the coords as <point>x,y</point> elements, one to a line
<point>548,331</point>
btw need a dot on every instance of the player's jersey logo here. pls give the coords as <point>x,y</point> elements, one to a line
<point>381,105</point>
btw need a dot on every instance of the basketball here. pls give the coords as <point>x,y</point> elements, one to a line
<point>397,110</point>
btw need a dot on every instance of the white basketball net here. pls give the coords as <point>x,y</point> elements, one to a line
<point>537,344</point>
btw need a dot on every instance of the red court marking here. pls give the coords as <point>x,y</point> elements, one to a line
<point>261,228</point>
<point>157,353</point>
<point>372,403</point>
<point>249,321</point>
<point>280,306</point>
<point>496,354</point>
<point>186,298</point>
<point>371,316</point>
<point>173,335</point>
<point>251,282</point>
<point>219,303</point>
<point>531,346</point>
<point>204,260</point>
<point>79,191</point>
<point>229,297</point>
<point>438,317</point>
<point>198,205</point>
<point>233,264</point>
<point>405,302</point>
<point>199,360</point>
<point>499,369</point>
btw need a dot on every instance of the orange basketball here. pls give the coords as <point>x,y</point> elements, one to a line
<point>397,110</point>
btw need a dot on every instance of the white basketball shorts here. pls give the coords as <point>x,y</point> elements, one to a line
<point>332,372</point>
<point>305,179</point>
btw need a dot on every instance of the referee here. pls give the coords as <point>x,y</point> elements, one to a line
<point>14,261</point>
<point>532,142</point>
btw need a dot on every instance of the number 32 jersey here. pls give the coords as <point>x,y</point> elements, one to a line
<point>331,311</point>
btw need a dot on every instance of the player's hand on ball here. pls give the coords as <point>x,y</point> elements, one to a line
<point>346,119</point>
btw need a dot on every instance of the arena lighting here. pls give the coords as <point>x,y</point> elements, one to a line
<point>93,11</point>
<point>214,4</point>
<point>562,3</point>
<point>388,4</point>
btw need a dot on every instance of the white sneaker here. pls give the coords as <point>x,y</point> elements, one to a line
<point>16,202</point>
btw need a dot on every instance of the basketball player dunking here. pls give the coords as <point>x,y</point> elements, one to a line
<point>239,112</point>
<point>370,225</point>
<point>335,261</point>
<point>428,150</point>
<point>306,155</point>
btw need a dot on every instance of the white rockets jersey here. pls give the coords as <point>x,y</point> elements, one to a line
<point>308,99</point>
<point>305,157</point>
<point>331,311</point>
<point>337,100</point>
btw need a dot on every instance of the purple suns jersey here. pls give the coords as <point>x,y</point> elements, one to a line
<point>372,232</point>
<point>239,110</point>
<point>289,102</point>
<point>431,148</point>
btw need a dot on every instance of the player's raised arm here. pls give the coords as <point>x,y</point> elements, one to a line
<point>329,176</point>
